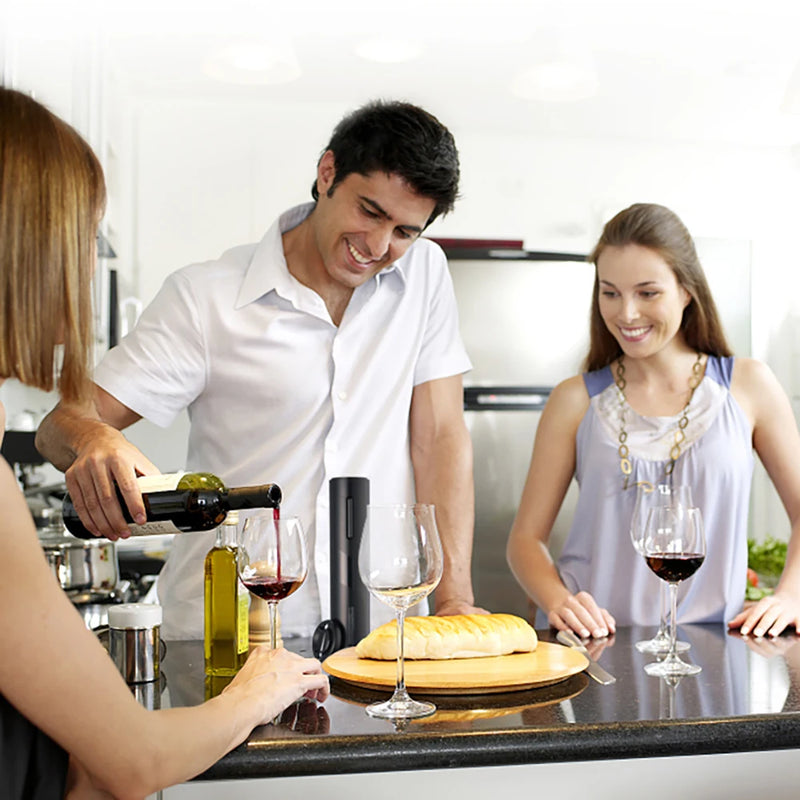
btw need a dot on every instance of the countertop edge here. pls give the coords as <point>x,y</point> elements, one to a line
<point>325,755</point>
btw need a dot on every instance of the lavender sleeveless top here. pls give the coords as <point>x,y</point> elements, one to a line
<point>716,461</point>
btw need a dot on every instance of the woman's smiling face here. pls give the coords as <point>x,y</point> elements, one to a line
<point>640,299</point>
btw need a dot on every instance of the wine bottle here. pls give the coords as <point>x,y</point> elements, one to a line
<point>193,501</point>
<point>226,604</point>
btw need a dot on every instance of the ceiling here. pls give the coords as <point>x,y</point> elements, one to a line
<point>722,71</point>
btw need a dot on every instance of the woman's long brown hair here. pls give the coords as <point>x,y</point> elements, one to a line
<point>52,194</point>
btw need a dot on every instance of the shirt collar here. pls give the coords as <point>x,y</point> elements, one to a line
<point>268,270</point>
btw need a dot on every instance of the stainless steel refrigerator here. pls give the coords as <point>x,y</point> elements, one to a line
<point>525,321</point>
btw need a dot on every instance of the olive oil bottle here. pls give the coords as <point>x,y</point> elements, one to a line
<point>227,604</point>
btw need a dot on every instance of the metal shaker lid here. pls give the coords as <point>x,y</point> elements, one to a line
<point>134,615</point>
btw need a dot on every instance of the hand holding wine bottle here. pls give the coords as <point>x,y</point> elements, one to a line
<point>98,466</point>
<point>191,501</point>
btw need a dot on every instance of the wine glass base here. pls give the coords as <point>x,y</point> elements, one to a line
<point>401,709</point>
<point>658,647</point>
<point>671,667</point>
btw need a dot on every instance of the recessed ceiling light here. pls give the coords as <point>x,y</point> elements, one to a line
<point>388,51</point>
<point>558,81</point>
<point>254,63</point>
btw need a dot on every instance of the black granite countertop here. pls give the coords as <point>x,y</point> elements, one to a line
<point>747,697</point>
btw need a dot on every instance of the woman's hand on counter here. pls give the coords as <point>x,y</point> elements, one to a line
<point>770,616</point>
<point>271,680</point>
<point>581,614</point>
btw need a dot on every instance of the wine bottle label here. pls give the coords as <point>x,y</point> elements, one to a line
<point>242,623</point>
<point>159,483</point>
<point>153,528</point>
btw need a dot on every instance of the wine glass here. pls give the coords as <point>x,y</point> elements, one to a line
<point>272,560</point>
<point>674,548</point>
<point>649,496</point>
<point>400,562</point>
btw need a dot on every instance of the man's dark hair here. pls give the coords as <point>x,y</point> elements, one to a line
<point>398,139</point>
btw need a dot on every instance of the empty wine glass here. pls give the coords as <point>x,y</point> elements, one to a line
<point>400,561</point>
<point>674,548</point>
<point>272,560</point>
<point>649,496</point>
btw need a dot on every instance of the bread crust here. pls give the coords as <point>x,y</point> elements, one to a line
<point>458,636</point>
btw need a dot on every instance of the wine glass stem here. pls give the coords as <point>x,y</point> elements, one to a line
<point>673,620</point>
<point>273,633</point>
<point>401,675</point>
<point>662,627</point>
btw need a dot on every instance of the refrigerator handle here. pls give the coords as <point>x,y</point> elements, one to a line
<point>505,398</point>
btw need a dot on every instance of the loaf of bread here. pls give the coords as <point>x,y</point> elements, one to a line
<point>459,636</point>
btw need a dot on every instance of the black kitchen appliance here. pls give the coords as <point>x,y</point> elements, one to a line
<point>349,622</point>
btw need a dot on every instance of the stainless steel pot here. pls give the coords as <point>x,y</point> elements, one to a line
<point>82,565</point>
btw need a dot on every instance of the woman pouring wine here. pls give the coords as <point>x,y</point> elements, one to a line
<point>68,721</point>
<point>662,400</point>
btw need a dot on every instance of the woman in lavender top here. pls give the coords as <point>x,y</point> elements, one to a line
<point>658,365</point>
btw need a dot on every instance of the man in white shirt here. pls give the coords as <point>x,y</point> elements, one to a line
<point>330,348</point>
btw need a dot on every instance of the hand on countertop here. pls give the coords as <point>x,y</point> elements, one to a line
<point>581,614</point>
<point>271,680</point>
<point>770,616</point>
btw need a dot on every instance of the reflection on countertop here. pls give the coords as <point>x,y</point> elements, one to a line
<point>746,698</point>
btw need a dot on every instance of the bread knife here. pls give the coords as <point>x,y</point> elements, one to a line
<point>569,639</point>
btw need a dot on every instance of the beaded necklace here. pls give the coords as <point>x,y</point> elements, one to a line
<point>680,432</point>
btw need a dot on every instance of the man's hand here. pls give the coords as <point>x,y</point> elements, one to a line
<point>110,461</point>
<point>84,442</point>
<point>456,605</point>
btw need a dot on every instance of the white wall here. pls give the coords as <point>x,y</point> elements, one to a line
<point>188,179</point>
<point>210,176</point>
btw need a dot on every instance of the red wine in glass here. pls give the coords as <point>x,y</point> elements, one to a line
<point>272,559</point>
<point>273,587</point>
<point>674,549</point>
<point>276,516</point>
<point>674,567</point>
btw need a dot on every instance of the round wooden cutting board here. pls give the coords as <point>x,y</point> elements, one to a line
<point>549,663</point>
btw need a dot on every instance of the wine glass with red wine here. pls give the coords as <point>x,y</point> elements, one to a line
<point>400,561</point>
<point>674,548</point>
<point>272,560</point>
<point>649,496</point>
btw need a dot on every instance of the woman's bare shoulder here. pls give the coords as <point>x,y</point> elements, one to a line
<point>572,390</point>
<point>757,389</point>
<point>569,398</point>
<point>751,376</point>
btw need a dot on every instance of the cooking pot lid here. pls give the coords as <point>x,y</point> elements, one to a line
<point>134,615</point>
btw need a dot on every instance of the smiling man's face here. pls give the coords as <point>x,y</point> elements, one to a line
<point>366,223</point>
